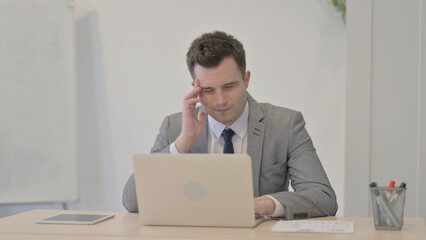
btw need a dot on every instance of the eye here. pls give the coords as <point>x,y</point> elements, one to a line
<point>229,87</point>
<point>207,90</point>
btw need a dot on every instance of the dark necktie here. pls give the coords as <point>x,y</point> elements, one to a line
<point>227,136</point>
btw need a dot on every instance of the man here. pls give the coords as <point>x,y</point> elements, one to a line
<point>231,121</point>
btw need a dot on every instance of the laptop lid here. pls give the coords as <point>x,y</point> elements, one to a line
<point>195,189</point>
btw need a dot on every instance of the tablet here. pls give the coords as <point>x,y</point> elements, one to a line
<point>76,218</point>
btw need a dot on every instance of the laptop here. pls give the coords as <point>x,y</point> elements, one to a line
<point>212,190</point>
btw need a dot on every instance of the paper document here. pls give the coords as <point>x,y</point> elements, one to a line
<point>314,226</point>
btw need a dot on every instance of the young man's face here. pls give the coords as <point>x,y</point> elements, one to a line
<point>224,91</point>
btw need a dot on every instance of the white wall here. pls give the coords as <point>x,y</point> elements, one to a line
<point>385,122</point>
<point>358,108</point>
<point>131,72</point>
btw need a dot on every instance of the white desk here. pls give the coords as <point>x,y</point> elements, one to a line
<point>126,226</point>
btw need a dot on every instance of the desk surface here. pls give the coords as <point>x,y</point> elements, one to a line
<point>126,226</point>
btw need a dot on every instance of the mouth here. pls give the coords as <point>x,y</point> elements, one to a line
<point>222,110</point>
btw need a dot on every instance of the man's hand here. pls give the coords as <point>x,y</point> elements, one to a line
<point>264,206</point>
<point>192,125</point>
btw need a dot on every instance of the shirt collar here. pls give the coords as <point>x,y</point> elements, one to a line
<point>239,126</point>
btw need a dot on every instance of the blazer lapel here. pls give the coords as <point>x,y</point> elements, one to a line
<point>255,137</point>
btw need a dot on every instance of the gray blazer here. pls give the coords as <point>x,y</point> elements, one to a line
<point>281,151</point>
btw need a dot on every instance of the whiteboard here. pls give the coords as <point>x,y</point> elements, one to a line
<point>38,157</point>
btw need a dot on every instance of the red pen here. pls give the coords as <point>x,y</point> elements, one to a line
<point>391,185</point>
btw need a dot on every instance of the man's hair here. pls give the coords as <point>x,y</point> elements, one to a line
<point>210,49</point>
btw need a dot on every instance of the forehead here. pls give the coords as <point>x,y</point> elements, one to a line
<point>226,72</point>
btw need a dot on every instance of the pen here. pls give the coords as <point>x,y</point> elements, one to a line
<point>375,209</point>
<point>391,185</point>
<point>398,192</point>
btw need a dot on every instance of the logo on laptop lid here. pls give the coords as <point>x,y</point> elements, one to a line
<point>194,191</point>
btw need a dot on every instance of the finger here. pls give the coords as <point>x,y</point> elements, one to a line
<point>197,85</point>
<point>201,116</point>
<point>191,103</point>
<point>193,93</point>
<point>195,82</point>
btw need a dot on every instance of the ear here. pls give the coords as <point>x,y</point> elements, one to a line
<point>247,78</point>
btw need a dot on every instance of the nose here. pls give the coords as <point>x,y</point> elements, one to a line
<point>220,98</point>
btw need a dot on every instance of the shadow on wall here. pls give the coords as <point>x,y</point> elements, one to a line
<point>95,150</point>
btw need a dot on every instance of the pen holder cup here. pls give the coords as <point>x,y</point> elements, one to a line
<point>388,207</point>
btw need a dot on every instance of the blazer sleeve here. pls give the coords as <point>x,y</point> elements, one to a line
<point>161,145</point>
<point>129,200</point>
<point>163,141</point>
<point>313,195</point>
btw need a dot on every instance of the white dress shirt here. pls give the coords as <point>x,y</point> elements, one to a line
<point>216,144</point>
